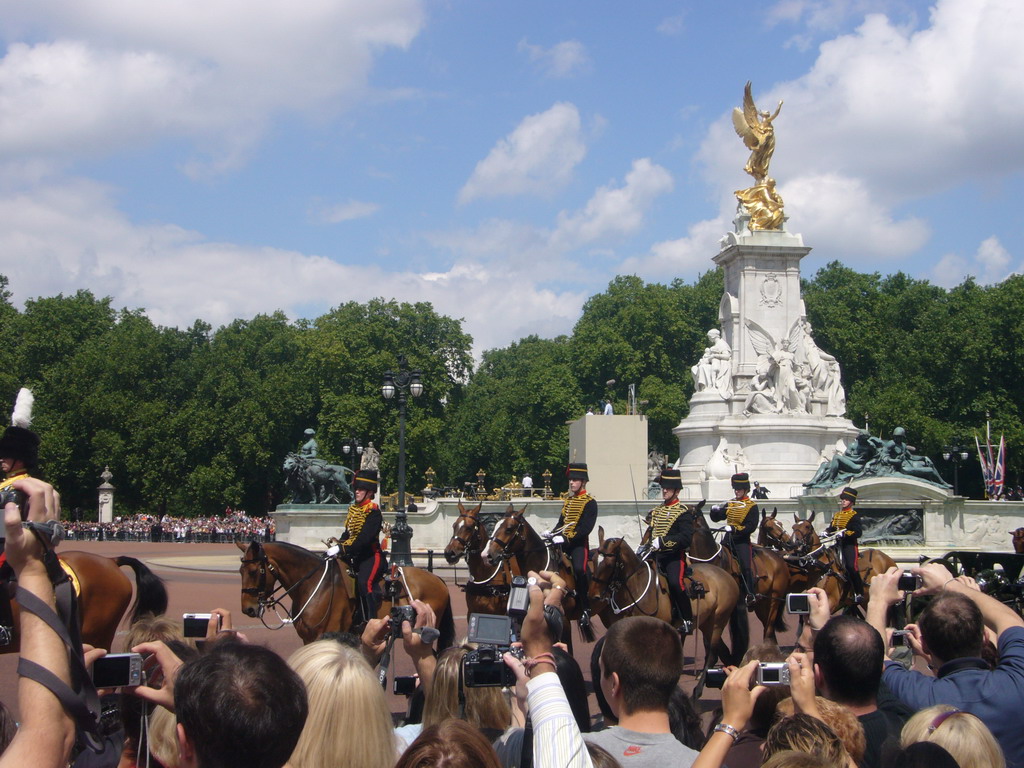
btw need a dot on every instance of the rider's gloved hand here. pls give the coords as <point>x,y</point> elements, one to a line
<point>559,539</point>
<point>546,534</point>
<point>656,543</point>
<point>333,551</point>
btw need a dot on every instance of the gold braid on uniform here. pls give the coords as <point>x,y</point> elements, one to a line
<point>354,522</point>
<point>736,513</point>
<point>572,509</point>
<point>662,520</point>
<point>8,482</point>
<point>842,518</point>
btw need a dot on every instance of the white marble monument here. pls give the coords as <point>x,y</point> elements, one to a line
<point>767,400</point>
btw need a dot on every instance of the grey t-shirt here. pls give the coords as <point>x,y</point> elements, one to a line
<point>635,750</point>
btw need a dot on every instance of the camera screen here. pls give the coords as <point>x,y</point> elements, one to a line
<point>490,630</point>
<point>770,675</point>
<point>116,670</point>
<point>799,603</point>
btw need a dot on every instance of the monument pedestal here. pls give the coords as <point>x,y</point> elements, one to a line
<point>780,440</point>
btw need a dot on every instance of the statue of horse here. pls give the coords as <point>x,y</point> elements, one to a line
<point>488,587</point>
<point>319,593</point>
<point>870,563</point>
<point>314,481</point>
<point>633,587</point>
<point>770,572</point>
<point>104,595</point>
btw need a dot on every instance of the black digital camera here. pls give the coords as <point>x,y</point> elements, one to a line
<point>400,613</point>
<point>484,667</point>
<point>908,582</point>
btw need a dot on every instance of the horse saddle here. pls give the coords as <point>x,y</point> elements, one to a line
<point>8,578</point>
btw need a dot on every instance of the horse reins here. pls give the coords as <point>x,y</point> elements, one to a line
<point>265,599</point>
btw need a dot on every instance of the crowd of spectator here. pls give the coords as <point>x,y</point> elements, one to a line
<point>853,700</point>
<point>234,525</point>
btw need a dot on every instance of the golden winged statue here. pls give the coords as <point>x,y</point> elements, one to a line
<point>761,201</point>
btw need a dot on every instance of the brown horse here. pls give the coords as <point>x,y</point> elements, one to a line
<point>104,596</point>
<point>870,563</point>
<point>514,539</point>
<point>770,572</point>
<point>488,587</point>
<point>804,573</point>
<point>319,591</point>
<point>629,586</point>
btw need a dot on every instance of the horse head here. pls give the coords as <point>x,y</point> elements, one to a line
<point>773,534</point>
<point>804,537</point>
<point>465,534</point>
<point>607,568</point>
<point>258,578</point>
<point>1018,541</point>
<point>505,541</point>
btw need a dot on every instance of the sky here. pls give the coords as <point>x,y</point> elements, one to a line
<point>504,161</point>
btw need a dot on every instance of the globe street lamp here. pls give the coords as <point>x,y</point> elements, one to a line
<point>955,454</point>
<point>350,446</point>
<point>403,384</point>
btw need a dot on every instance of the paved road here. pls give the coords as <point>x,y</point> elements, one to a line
<point>201,577</point>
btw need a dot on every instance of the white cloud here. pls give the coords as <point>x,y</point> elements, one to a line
<point>563,59</point>
<point>991,263</point>
<point>347,211</point>
<point>684,256</point>
<point>673,25</point>
<point>112,73</point>
<point>536,158</point>
<point>614,211</point>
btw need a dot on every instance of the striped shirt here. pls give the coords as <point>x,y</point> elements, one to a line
<point>557,741</point>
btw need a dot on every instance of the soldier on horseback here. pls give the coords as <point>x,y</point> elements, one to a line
<point>360,543</point>
<point>847,526</point>
<point>19,454</point>
<point>742,516</point>
<point>668,535</point>
<point>576,521</point>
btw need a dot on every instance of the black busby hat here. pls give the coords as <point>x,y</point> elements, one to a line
<point>849,493</point>
<point>671,478</point>
<point>365,480</point>
<point>577,472</point>
<point>18,441</point>
<point>741,481</point>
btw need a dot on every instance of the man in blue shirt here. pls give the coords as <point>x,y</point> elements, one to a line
<point>949,635</point>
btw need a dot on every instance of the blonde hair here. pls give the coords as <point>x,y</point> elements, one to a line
<point>804,733</point>
<point>840,719</point>
<point>149,628</point>
<point>163,737</point>
<point>963,735</point>
<point>485,707</point>
<point>349,723</point>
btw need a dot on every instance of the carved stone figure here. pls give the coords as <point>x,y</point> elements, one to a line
<point>723,464</point>
<point>898,458</point>
<point>371,458</point>
<point>762,395</point>
<point>655,463</point>
<point>314,481</point>
<point>714,369</point>
<point>777,362</point>
<point>309,448</point>
<point>836,394</point>
<point>843,467</point>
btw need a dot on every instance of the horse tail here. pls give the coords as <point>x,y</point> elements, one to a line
<point>739,632</point>
<point>780,619</point>
<point>150,592</point>
<point>446,628</point>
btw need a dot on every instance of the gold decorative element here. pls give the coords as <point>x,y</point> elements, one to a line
<point>763,204</point>
<point>761,201</point>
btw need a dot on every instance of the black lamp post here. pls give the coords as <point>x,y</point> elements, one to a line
<point>351,447</point>
<point>955,454</point>
<point>403,383</point>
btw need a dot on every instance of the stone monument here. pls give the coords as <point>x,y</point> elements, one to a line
<point>767,399</point>
<point>105,494</point>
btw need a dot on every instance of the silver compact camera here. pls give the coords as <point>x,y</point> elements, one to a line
<point>773,673</point>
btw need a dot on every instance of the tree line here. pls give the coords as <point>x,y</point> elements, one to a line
<point>193,420</point>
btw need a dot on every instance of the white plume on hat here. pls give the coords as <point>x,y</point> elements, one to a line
<point>22,415</point>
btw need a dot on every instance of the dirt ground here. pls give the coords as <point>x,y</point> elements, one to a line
<point>200,577</point>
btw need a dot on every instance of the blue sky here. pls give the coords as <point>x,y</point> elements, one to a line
<point>504,161</point>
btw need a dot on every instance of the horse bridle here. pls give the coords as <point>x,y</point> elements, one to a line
<point>505,554</point>
<point>265,599</point>
<point>474,531</point>
<point>783,543</point>
<point>615,582</point>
